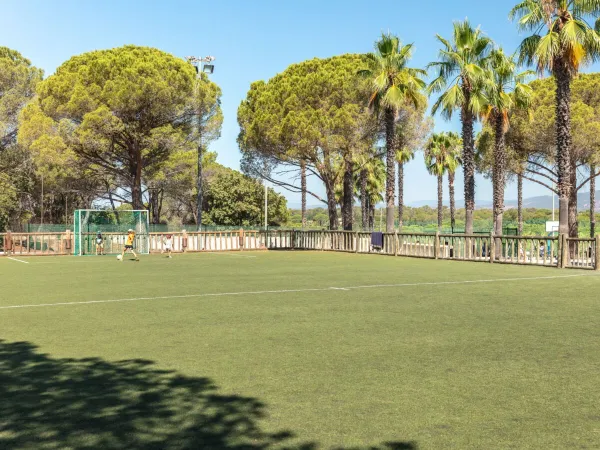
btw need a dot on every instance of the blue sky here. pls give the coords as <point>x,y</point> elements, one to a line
<point>252,41</point>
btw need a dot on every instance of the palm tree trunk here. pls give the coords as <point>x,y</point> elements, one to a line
<point>303,189</point>
<point>498,175</point>
<point>563,141</point>
<point>573,225</point>
<point>348,191</point>
<point>440,192</point>
<point>451,176</point>
<point>390,182</point>
<point>363,199</point>
<point>468,163</point>
<point>400,195</point>
<point>592,201</point>
<point>332,209</point>
<point>520,203</point>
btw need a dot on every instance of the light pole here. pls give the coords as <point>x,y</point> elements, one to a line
<point>202,65</point>
<point>266,204</point>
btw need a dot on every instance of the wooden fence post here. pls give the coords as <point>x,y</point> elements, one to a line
<point>356,242</point>
<point>597,253</point>
<point>436,245</point>
<point>492,249</point>
<point>8,244</point>
<point>184,241</point>
<point>564,251</point>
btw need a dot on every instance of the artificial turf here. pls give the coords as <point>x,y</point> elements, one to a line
<point>303,350</point>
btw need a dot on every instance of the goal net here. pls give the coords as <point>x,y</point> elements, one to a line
<point>114,226</point>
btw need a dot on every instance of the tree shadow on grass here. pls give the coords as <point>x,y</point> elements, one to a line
<point>91,403</point>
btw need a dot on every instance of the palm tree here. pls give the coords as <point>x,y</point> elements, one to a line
<point>369,185</point>
<point>562,41</point>
<point>403,156</point>
<point>393,84</point>
<point>461,78</point>
<point>441,154</point>
<point>505,92</point>
<point>453,162</point>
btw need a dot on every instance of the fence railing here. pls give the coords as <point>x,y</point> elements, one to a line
<point>36,244</point>
<point>556,251</point>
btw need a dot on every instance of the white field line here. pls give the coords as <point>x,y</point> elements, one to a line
<point>284,291</point>
<point>18,260</point>
<point>229,253</point>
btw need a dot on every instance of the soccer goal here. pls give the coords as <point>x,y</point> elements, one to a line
<point>113,225</point>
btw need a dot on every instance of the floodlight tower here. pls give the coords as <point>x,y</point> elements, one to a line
<point>202,65</point>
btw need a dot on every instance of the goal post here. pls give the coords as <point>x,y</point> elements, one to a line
<point>114,226</point>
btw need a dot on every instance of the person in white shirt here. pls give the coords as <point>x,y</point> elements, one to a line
<point>168,245</point>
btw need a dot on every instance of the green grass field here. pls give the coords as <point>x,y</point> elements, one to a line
<point>298,350</point>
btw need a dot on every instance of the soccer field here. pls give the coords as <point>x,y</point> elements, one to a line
<point>303,350</point>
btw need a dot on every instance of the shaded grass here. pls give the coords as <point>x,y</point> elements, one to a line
<point>494,365</point>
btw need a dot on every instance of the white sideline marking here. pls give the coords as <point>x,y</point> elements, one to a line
<point>284,291</point>
<point>229,254</point>
<point>18,260</point>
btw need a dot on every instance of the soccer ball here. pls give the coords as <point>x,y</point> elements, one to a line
<point>119,257</point>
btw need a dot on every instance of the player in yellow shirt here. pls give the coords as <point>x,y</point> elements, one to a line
<point>129,245</point>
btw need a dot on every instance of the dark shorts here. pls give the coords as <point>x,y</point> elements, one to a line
<point>129,247</point>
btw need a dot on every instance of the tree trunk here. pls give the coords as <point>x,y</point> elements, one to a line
<point>468,162</point>
<point>563,141</point>
<point>371,216</point>
<point>363,199</point>
<point>498,175</point>
<point>390,181</point>
<point>136,190</point>
<point>592,201</point>
<point>331,205</point>
<point>303,188</point>
<point>400,195</point>
<point>348,191</point>
<point>520,203</point>
<point>573,225</point>
<point>154,206</point>
<point>199,190</point>
<point>440,192</point>
<point>451,176</point>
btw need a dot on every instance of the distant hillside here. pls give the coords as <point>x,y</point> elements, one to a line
<point>540,202</point>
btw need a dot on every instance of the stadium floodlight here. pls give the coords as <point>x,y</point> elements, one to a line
<point>203,64</point>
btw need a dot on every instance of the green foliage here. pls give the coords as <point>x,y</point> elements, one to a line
<point>461,75</point>
<point>442,153</point>
<point>315,113</point>
<point>18,80</point>
<point>393,83</point>
<point>119,114</point>
<point>235,199</point>
<point>569,41</point>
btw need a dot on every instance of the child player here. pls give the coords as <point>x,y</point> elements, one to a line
<point>99,244</point>
<point>168,242</point>
<point>129,244</point>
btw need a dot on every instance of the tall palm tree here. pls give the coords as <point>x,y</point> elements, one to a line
<point>562,41</point>
<point>393,84</point>
<point>453,162</point>
<point>505,92</point>
<point>592,201</point>
<point>403,156</point>
<point>369,184</point>
<point>461,79</point>
<point>440,155</point>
